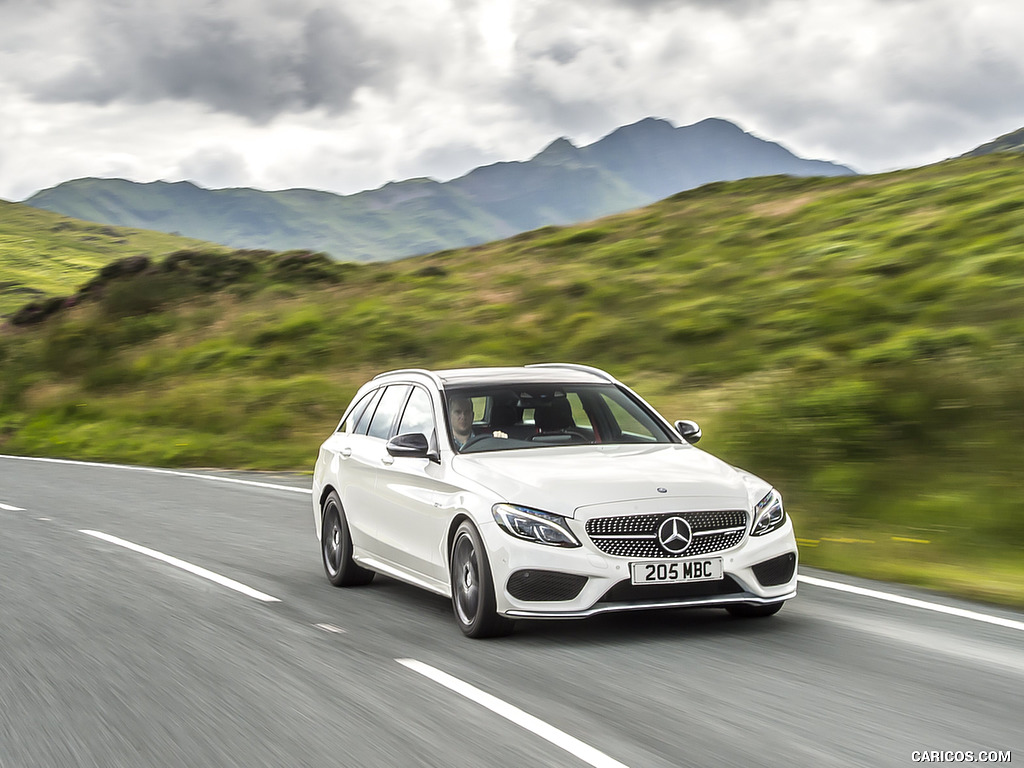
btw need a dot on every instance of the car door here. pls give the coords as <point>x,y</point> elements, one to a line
<point>368,456</point>
<point>414,499</point>
<point>335,466</point>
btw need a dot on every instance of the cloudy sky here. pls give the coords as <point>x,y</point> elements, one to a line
<point>346,95</point>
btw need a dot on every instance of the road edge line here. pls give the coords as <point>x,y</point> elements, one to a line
<point>914,602</point>
<point>160,471</point>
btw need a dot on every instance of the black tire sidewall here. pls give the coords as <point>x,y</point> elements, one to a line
<point>486,622</point>
<point>348,574</point>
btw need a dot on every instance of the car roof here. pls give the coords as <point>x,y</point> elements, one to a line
<point>563,373</point>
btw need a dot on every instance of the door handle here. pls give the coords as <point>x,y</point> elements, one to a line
<point>345,452</point>
<point>388,460</point>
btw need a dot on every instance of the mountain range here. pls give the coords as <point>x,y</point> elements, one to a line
<point>633,166</point>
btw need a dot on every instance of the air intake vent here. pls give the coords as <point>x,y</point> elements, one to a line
<point>544,586</point>
<point>778,570</point>
<point>626,592</point>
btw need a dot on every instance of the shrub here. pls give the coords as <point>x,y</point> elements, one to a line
<point>305,266</point>
<point>209,270</point>
<point>432,270</point>
<point>140,295</point>
<point>131,265</point>
<point>36,311</point>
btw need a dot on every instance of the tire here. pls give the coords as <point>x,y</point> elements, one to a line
<point>336,547</point>
<point>754,611</point>
<point>473,587</point>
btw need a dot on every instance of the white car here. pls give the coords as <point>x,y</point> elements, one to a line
<point>564,496</point>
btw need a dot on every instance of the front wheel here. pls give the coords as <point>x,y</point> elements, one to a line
<point>336,547</point>
<point>473,587</point>
<point>754,611</point>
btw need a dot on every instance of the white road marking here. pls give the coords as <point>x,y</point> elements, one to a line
<point>224,581</point>
<point>572,745</point>
<point>913,602</point>
<point>9,508</point>
<point>158,471</point>
<point>330,628</point>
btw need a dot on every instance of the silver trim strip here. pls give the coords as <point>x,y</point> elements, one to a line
<point>615,536</point>
<point>713,601</point>
<point>407,371</point>
<point>576,367</point>
<point>721,530</point>
<point>395,573</point>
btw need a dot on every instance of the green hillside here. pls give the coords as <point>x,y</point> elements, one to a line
<point>859,341</point>
<point>43,253</point>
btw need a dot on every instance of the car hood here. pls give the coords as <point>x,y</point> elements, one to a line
<point>564,479</point>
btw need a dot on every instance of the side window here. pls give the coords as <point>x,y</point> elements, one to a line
<point>349,424</point>
<point>363,420</point>
<point>387,410</point>
<point>627,417</point>
<point>419,415</point>
<point>579,413</point>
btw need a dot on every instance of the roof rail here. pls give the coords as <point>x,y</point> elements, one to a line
<point>423,371</point>
<point>577,367</point>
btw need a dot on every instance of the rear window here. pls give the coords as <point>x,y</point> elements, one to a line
<point>352,421</point>
<point>363,421</point>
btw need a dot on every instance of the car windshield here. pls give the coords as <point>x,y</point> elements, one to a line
<point>498,417</point>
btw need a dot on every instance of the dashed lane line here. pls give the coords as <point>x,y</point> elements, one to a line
<point>570,744</point>
<point>216,578</point>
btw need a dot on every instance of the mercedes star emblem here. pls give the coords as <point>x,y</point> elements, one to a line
<point>675,535</point>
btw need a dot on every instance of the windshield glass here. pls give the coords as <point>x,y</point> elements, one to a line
<point>498,417</point>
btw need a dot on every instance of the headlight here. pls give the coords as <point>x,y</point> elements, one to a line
<point>534,525</point>
<point>768,514</point>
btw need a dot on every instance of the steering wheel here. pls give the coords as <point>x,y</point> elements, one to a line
<point>473,439</point>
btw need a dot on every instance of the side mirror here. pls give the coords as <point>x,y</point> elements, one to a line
<point>689,430</point>
<point>413,445</point>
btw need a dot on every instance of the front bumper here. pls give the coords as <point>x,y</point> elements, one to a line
<point>604,572</point>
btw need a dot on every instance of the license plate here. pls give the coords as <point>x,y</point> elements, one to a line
<point>673,572</point>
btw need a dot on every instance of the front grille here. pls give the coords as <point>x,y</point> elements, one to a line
<point>778,570</point>
<point>636,535</point>
<point>626,592</point>
<point>544,586</point>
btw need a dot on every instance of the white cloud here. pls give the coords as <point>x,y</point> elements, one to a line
<point>346,95</point>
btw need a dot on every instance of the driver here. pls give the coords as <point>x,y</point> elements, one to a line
<point>460,409</point>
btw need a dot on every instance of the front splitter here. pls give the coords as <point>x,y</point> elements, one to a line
<point>697,602</point>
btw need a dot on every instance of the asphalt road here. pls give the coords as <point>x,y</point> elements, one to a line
<point>112,657</point>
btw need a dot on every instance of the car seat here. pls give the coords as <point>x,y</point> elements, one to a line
<point>555,416</point>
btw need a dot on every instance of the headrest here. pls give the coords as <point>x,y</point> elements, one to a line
<point>554,416</point>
